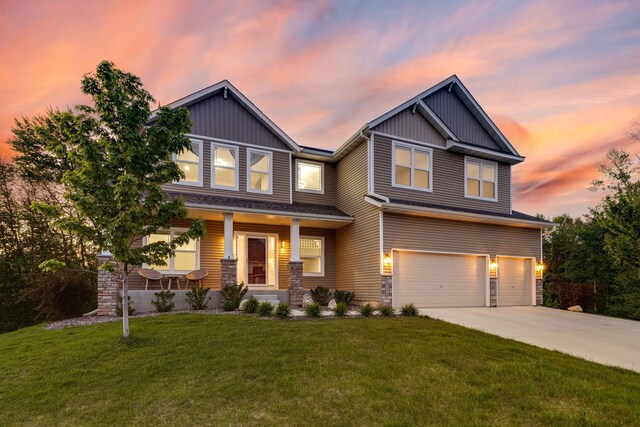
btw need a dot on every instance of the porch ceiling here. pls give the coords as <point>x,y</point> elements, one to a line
<point>271,219</point>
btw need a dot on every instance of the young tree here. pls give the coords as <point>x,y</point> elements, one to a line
<point>112,165</point>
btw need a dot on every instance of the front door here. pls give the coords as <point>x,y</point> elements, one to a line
<point>257,261</point>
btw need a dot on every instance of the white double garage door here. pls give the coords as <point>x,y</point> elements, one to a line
<point>429,279</point>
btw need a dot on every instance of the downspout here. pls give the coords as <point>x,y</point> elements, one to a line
<point>370,168</point>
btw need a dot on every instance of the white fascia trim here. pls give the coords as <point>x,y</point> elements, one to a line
<point>229,141</point>
<point>370,163</point>
<point>373,202</point>
<point>409,208</point>
<point>223,208</point>
<point>270,155</point>
<point>359,134</point>
<point>225,84</point>
<point>379,196</point>
<point>451,144</point>
<point>442,128</point>
<point>408,140</point>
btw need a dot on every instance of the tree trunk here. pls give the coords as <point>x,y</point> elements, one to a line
<point>125,302</point>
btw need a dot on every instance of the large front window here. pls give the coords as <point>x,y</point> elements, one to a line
<point>411,167</point>
<point>309,176</point>
<point>189,162</point>
<point>186,257</point>
<point>312,256</point>
<point>481,179</point>
<point>259,171</point>
<point>224,172</point>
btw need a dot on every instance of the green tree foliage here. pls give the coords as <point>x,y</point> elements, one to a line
<point>111,164</point>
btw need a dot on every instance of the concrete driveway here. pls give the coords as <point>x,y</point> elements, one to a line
<point>605,340</point>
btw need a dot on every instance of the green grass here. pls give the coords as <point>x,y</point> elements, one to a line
<point>241,370</point>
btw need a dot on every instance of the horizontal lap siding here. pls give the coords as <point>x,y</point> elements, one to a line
<point>280,178</point>
<point>448,180</point>
<point>440,235</point>
<point>357,244</point>
<point>329,196</point>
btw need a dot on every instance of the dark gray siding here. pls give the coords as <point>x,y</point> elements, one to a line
<point>357,244</point>
<point>280,178</point>
<point>227,119</point>
<point>448,180</point>
<point>441,235</point>
<point>329,196</point>
<point>411,126</point>
<point>459,119</point>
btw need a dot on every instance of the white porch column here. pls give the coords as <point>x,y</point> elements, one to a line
<point>295,240</point>
<point>228,235</point>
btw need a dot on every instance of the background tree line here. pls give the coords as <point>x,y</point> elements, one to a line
<point>594,261</point>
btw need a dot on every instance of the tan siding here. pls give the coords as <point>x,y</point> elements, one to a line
<point>448,180</point>
<point>280,178</point>
<point>212,250</point>
<point>411,126</point>
<point>440,235</point>
<point>329,196</point>
<point>357,245</point>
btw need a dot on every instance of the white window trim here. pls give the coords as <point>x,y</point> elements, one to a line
<point>413,149</point>
<point>213,166</point>
<point>169,269</point>
<point>276,257</point>
<point>321,274</point>
<point>482,164</point>
<point>309,162</point>
<point>200,165</point>
<point>268,153</point>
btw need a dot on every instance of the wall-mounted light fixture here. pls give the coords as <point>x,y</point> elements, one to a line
<point>387,260</point>
<point>282,244</point>
<point>493,268</point>
<point>539,270</point>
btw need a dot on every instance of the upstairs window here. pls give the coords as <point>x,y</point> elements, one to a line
<point>481,179</point>
<point>224,172</point>
<point>189,162</point>
<point>309,176</point>
<point>412,167</point>
<point>312,256</point>
<point>259,165</point>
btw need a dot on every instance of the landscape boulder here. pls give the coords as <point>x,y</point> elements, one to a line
<point>243,302</point>
<point>332,304</point>
<point>306,300</point>
<point>374,304</point>
<point>575,308</point>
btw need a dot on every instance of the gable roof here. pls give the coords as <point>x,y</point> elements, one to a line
<point>228,89</point>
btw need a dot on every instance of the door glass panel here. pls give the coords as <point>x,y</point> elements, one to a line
<point>257,261</point>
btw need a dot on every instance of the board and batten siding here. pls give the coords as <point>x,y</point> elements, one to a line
<point>212,251</point>
<point>357,244</point>
<point>442,235</point>
<point>329,196</point>
<point>222,118</point>
<point>280,172</point>
<point>411,126</point>
<point>452,111</point>
<point>448,180</point>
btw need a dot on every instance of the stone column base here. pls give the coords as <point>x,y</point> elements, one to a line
<point>493,292</point>
<point>228,272</point>
<point>296,289</point>
<point>539,298</point>
<point>386,283</point>
<point>108,284</point>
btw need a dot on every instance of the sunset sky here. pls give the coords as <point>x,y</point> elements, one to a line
<point>560,78</point>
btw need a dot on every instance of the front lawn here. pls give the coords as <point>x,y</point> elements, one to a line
<point>195,369</point>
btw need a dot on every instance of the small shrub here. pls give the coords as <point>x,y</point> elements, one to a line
<point>164,302</point>
<point>313,310</point>
<point>197,298</point>
<point>387,310</point>
<point>366,310</point>
<point>283,311</point>
<point>251,306</point>
<point>131,309</point>
<point>265,309</point>
<point>341,309</point>
<point>321,295</point>
<point>233,294</point>
<point>346,297</point>
<point>228,305</point>
<point>63,294</point>
<point>409,310</point>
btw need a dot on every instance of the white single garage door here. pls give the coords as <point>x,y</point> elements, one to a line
<point>439,280</point>
<point>515,276</point>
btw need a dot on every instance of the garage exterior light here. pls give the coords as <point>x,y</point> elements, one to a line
<point>493,269</point>
<point>539,270</point>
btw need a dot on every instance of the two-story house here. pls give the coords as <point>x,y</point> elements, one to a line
<point>414,208</point>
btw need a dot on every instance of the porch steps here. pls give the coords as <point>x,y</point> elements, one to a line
<point>273,299</point>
